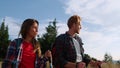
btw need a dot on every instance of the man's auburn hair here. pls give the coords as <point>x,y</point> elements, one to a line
<point>73,19</point>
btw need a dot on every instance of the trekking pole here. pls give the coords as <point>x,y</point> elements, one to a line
<point>50,61</point>
<point>19,56</point>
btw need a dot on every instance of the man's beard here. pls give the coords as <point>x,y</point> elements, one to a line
<point>77,31</point>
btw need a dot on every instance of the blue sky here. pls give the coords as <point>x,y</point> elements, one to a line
<point>100,20</point>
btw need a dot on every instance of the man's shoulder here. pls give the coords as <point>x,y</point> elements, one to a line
<point>62,36</point>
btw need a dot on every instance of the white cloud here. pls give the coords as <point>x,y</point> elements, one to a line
<point>95,11</point>
<point>62,28</point>
<point>103,13</point>
<point>13,25</point>
<point>97,42</point>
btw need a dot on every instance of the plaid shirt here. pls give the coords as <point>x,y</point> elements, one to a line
<point>63,50</point>
<point>12,55</point>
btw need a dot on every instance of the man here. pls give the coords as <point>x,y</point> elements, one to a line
<point>67,50</point>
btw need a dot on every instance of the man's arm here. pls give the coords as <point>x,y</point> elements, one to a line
<point>75,65</point>
<point>86,60</point>
<point>70,65</point>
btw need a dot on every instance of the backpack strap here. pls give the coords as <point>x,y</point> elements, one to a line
<point>18,43</point>
<point>18,50</point>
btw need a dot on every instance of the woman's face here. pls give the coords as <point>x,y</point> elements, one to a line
<point>33,30</point>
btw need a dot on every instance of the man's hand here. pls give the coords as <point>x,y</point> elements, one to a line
<point>95,63</point>
<point>81,65</point>
<point>75,65</point>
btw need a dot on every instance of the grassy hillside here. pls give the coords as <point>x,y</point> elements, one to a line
<point>106,65</point>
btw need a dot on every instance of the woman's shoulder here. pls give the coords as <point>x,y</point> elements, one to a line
<point>16,41</point>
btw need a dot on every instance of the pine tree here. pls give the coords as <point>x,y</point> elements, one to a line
<point>4,39</point>
<point>49,37</point>
<point>107,58</point>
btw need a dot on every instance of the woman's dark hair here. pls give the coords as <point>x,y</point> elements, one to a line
<point>26,27</point>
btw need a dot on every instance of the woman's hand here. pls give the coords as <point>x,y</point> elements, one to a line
<point>48,54</point>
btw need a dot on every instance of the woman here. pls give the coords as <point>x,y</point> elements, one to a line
<point>25,52</point>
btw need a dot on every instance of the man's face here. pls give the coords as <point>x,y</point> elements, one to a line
<point>77,27</point>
